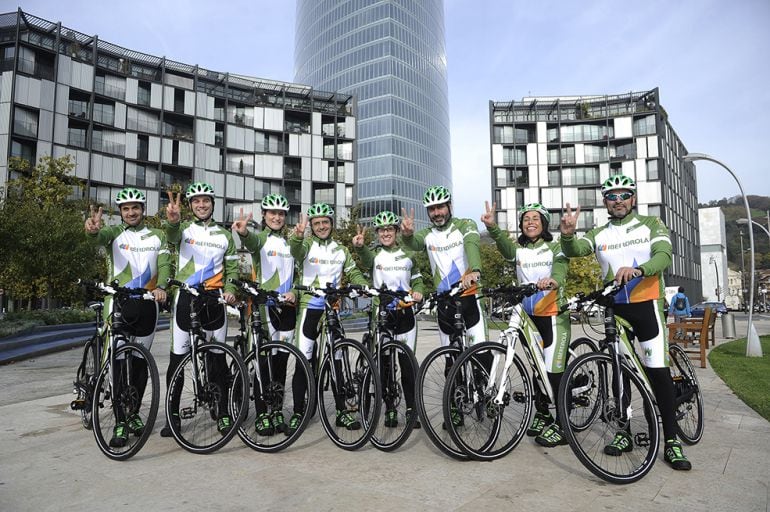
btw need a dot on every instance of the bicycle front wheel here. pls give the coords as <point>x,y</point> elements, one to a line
<point>430,396</point>
<point>349,395</point>
<point>126,405</point>
<point>204,409</point>
<point>398,372</point>
<point>487,404</point>
<point>687,396</point>
<point>619,443</point>
<point>270,376</point>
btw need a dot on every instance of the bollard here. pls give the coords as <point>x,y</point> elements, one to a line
<point>728,326</point>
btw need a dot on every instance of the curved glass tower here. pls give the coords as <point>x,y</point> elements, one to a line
<point>391,55</point>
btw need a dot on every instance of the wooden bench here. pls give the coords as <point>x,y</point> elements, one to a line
<point>694,331</point>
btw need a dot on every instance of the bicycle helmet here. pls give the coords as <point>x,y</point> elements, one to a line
<point>320,210</point>
<point>385,219</point>
<point>436,195</point>
<point>535,207</point>
<point>199,189</point>
<point>130,195</point>
<point>275,202</point>
<point>618,182</point>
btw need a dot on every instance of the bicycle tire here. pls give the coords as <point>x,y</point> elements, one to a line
<point>358,388</point>
<point>580,346</point>
<point>223,384</point>
<point>276,395</point>
<point>131,399</point>
<point>487,430</point>
<point>589,443</point>
<point>85,379</point>
<point>389,438</point>
<point>429,389</point>
<point>688,397</point>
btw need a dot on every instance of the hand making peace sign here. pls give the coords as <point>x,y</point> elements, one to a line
<point>94,221</point>
<point>299,228</point>
<point>173,210</point>
<point>488,218</point>
<point>241,225</point>
<point>569,221</point>
<point>407,222</point>
<point>360,238</point>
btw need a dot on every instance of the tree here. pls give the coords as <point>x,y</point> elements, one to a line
<point>584,275</point>
<point>44,247</point>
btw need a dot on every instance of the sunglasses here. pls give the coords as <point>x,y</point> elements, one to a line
<point>622,197</point>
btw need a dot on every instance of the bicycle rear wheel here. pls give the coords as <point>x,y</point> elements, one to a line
<point>687,396</point>
<point>350,409</point>
<point>272,397</point>
<point>398,373</point>
<point>431,379</point>
<point>487,405</point>
<point>205,409</point>
<point>85,379</point>
<point>580,346</point>
<point>632,415</point>
<point>129,402</point>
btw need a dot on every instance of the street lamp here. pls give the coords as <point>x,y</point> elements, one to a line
<point>716,269</point>
<point>753,347</point>
<point>744,222</point>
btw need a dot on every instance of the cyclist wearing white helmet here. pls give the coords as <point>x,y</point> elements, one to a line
<point>634,250</point>
<point>205,256</point>
<point>539,260</point>
<point>394,268</point>
<point>320,260</point>
<point>273,268</point>
<point>453,251</point>
<point>138,258</point>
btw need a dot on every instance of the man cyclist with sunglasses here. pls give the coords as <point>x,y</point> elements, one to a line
<point>634,250</point>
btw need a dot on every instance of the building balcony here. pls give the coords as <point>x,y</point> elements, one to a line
<point>106,146</point>
<point>110,91</point>
<point>292,173</point>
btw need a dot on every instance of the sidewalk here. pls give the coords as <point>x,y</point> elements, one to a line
<point>49,462</point>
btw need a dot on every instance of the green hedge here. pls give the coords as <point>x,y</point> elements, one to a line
<point>20,321</point>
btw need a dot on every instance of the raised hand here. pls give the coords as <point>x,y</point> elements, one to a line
<point>173,208</point>
<point>94,221</point>
<point>360,238</point>
<point>407,222</point>
<point>241,225</point>
<point>299,228</point>
<point>488,218</point>
<point>569,221</point>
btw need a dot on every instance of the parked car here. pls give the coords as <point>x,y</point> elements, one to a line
<point>698,309</point>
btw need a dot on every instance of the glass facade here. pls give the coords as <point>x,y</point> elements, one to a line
<point>391,56</point>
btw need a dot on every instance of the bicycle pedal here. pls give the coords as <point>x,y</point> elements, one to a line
<point>519,397</point>
<point>642,439</point>
<point>187,413</point>
<point>78,405</point>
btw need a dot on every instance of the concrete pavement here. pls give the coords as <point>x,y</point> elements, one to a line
<point>49,462</point>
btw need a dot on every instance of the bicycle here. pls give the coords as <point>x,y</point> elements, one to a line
<point>270,365</point>
<point>489,386</point>
<point>204,402</point>
<point>397,366</point>
<point>112,380</point>
<point>614,383</point>
<point>348,380</point>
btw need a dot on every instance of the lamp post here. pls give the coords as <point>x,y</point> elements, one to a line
<point>753,347</point>
<point>716,270</point>
<point>746,221</point>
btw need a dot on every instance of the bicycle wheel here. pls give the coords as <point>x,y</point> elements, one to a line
<point>632,415</point>
<point>349,401</point>
<point>487,404</point>
<point>85,379</point>
<point>271,397</point>
<point>129,402</point>
<point>430,396</point>
<point>398,371</point>
<point>204,409</point>
<point>580,346</point>
<point>688,397</point>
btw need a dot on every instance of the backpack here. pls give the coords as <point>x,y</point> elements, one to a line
<point>680,304</point>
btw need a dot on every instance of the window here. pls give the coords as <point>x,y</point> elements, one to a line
<point>652,169</point>
<point>104,113</point>
<point>644,126</point>
<point>513,156</point>
<point>25,122</point>
<point>143,94</point>
<point>23,150</point>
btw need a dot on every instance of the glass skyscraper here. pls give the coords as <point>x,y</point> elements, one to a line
<point>391,55</point>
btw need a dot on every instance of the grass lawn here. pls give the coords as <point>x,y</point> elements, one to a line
<point>748,377</point>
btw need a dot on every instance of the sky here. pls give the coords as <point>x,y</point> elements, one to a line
<point>709,59</point>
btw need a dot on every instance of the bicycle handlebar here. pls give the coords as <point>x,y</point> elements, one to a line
<point>197,290</point>
<point>350,290</point>
<point>600,296</point>
<point>114,289</point>
<point>255,290</point>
